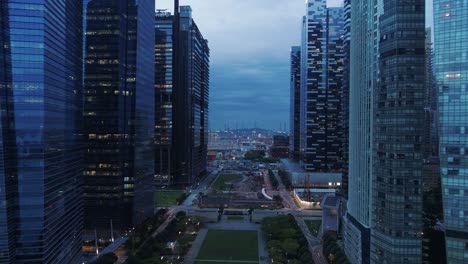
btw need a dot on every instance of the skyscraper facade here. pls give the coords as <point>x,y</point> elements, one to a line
<point>163,98</point>
<point>182,97</point>
<point>41,156</point>
<point>451,66</point>
<point>295,103</point>
<point>386,152</point>
<point>119,114</point>
<point>363,76</point>
<point>344,117</point>
<point>321,84</point>
<point>397,197</point>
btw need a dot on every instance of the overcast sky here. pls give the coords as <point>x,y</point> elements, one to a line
<point>249,42</point>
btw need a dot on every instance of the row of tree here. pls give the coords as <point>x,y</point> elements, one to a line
<point>332,251</point>
<point>285,179</point>
<point>155,250</point>
<point>274,182</point>
<point>286,242</point>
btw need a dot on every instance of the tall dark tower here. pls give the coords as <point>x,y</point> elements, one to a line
<point>182,122</point>
<point>119,114</point>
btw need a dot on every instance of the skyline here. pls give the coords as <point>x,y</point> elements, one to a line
<point>250,81</point>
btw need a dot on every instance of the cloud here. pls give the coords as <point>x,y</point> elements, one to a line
<point>250,42</point>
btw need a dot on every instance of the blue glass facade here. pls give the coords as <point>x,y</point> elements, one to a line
<point>119,114</point>
<point>8,174</point>
<point>451,66</point>
<point>399,128</point>
<point>43,71</point>
<point>143,194</point>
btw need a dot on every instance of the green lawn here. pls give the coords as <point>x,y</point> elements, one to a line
<point>229,245</point>
<point>314,226</point>
<point>220,183</point>
<point>235,218</point>
<point>166,198</point>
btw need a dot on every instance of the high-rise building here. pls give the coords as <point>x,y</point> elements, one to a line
<point>119,114</point>
<point>321,87</point>
<point>451,66</point>
<point>182,94</point>
<point>362,82</point>
<point>386,130</point>
<point>40,120</point>
<point>344,118</point>
<point>295,103</point>
<point>397,195</point>
<point>163,99</point>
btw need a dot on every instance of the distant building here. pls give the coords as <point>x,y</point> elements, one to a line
<point>118,114</point>
<point>280,147</point>
<point>182,95</point>
<point>451,67</point>
<point>321,88</point>
<point>295,103</point>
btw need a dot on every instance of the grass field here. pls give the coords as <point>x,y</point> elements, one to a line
<point>229,246</point>
<point>314,226</point>
<point>220,183</point>
<point>166,198</point>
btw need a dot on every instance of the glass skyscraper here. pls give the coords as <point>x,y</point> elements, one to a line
<point>119,114</point>
<point>321,84</point>
<point>386,132</point>
<point>163,99</point>
<point>451,66</point>
<point>182,99</point>
<point>363,77</point>
<point>397,195</point>
<point>295,103</point>
<point>41,98</point>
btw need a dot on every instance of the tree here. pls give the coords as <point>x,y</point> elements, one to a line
<point>254,155</point>
<point>290,246</point>
<point>295,261</point>
<point>274,245</point>
<point>287,233</point>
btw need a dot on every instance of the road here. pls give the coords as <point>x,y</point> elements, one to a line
<point>202,187</point>
<point>288,201</point>
<point>315,248</point>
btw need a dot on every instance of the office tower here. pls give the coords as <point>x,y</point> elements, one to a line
<point>119,114</point>
<point>399,130</point>
<point>344,118</point>
<point>182,93</point>
<point>41,151</point>
<point>451,65</point>
<point>163,99</point>
<point>362,81</point>
<point>431,137</point>
<point>295,103</point>
<point>321,84</point>
<point>386,130</point>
